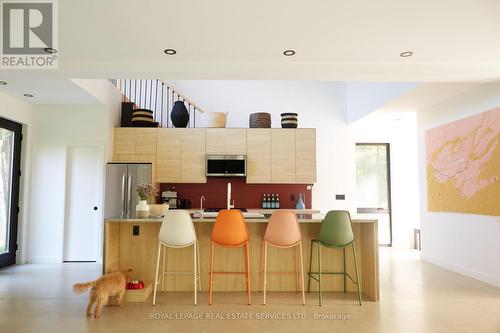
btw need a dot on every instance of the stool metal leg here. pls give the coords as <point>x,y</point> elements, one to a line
<point>356,268</point>
<point>261,271</point>
<point>247,260</point>
<point>302,274</point>
<point>156,275</point>
<point>210,287</point>
<point>198,263</point>
<point>319,273</point>
<point>345,276</point>
<point>310,267</point>
<point>195,268</point>
<point>265,269</point>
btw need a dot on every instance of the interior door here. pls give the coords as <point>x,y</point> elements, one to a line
<point>373,186</point>
<point>10,164</point>
<point>84,183</point>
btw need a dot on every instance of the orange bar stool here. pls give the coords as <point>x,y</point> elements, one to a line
<point>283,231</point>
<point>230,230</point>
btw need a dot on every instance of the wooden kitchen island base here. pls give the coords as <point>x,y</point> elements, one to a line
<point>123,250</point>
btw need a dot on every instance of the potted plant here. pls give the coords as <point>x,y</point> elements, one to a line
<point>145,192</point>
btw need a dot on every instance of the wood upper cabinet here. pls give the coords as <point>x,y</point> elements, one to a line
<point>124,158</point>
<point>283,155</point>
<point>259,155</point>
<point>226,141</point>
<point>193,156</point>
<point>134,141</point>
<point>305,155</point>
<point>168,155</point>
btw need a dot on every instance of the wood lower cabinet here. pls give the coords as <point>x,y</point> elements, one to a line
<point>259,155</point>
<point>134,141</point>
<point>283,156</point>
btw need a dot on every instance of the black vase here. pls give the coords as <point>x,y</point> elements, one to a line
<point>179,115</point>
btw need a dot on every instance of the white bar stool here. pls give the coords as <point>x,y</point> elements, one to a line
<point>177,231</point>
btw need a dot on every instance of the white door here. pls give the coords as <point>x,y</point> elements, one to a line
<point>83,188</point>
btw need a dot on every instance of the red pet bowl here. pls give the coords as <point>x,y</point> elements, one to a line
<point>135,284</point>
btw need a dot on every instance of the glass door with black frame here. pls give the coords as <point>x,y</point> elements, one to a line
<point>373,186</point>
<point>10,155</point>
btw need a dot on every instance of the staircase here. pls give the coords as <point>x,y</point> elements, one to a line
<point>157,96</point>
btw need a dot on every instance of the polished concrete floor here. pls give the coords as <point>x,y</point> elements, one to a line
<point>415,297</point>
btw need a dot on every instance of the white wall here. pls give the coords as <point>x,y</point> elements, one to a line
<point>365,97</point>
<point>466,243</point>
<point>323,105</point>
<point>55,128</point>
<point>21,112</point>
<point>400,131</point>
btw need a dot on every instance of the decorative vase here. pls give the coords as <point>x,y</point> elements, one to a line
<point>142,209</point>
<point>289,120</point>
<point>300,203</point>
<point>179,115</point>
<point>260,120</point>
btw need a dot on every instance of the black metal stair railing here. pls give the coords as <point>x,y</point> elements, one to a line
<point>157,96</point>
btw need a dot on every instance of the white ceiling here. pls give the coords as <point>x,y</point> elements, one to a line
<point>338,40</point>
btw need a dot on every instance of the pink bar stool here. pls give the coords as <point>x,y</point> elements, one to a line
<point>283,231</point>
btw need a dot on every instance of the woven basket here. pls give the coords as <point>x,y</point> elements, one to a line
<point>289,120</point>
<point>260,120</point>
<point>213,119</point>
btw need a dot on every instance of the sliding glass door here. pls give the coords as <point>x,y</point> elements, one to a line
<point>373,186</point>
<point>10,157</point>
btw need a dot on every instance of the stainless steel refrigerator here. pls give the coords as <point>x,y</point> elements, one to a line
<point>121,181</point>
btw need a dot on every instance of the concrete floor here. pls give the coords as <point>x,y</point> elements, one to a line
<point>415,297</point>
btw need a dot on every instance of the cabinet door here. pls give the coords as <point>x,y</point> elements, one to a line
<point>168,155</point>
<point>139,159</point>
<point>258,155</point>
<point>283,156</point>
<point>236,141</point>
<point>145,141</point>
<point>124,140</point>
<point>305,155</point>
<point>231,141</point>
<point>193,156</point>
<point>216,141</point>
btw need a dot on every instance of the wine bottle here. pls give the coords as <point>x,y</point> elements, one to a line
<point>277,204</point>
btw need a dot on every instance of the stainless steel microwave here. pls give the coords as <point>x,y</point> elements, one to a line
<point>226,166</point>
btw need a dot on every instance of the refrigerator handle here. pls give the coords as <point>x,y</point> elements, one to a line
<point>129,191</point>
<point>124,208</point>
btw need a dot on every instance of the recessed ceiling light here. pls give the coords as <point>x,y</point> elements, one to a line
<point>170,51</point>
<point>50,50</point>
<point>406,54</point>
<point>29,95</point>
<point>3,83</point>
<point>289,53</point>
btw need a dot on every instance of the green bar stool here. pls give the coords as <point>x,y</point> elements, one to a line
<point>336,231</point>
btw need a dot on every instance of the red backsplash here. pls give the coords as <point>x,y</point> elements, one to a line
<point>244,195</point>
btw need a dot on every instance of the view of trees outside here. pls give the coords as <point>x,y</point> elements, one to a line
<point>6,149</point>
<point>371,176</point>
<point>372,185</point>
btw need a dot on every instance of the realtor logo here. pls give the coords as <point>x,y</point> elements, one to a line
<point>29,34</point>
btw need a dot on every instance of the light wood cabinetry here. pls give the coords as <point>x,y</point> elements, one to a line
<point>193,156</point>
<point>168,155</point>
<point>283,156</point>
<point>230,141</point>
<point>178,154</point>
<point>259,155</point>
<point>134,141</point>
<point>305,155</point>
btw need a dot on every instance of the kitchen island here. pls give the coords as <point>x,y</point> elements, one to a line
<point>133,243</point>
